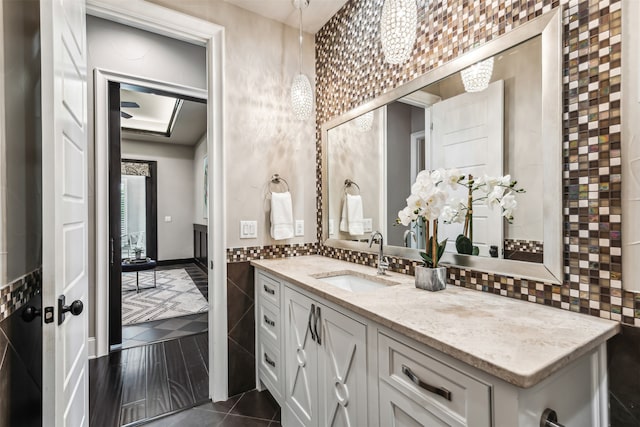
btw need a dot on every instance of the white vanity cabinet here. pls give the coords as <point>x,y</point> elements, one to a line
<point>325,365</point>
<point>329,366</point>
<point>269,339</point>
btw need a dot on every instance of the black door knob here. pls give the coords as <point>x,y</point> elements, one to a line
<point>29,313</point>
<point>75,308</point>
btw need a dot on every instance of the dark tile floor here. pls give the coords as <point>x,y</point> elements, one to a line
<point>163,329</point>
<point>251,409</point>
<point>142,383</point>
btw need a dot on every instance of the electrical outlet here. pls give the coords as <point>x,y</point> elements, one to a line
<point>167,218</point>
<point>367,224</point>
<point>248,229</point>
<point>331,229</point>
<point>299,227</point>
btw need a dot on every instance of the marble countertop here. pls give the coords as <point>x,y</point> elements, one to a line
<point>517,341</point>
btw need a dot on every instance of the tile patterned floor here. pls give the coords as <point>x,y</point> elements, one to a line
<point>163,329</point>
<point>138,384</point>
<point>250,409</point>
<point>166,329</point>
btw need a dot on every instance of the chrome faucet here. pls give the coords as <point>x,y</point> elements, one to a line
<point>409,233</point>
<point>383,261</point>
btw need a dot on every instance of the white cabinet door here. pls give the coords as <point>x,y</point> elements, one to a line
<point>343,370</point>
<point>301,359</point>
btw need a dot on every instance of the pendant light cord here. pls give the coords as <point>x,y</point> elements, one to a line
<point>300,39</point>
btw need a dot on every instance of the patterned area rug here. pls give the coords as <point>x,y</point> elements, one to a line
<point>175,295</point>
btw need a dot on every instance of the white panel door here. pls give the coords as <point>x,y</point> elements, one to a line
<point>301,359</point>
<point>342,372</point>
<point>65,210</point>
<point>467,133</point>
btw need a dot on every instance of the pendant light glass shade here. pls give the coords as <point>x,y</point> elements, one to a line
<point>365,121</point>
<point>398,29</point>
<point>301,97</point>
<point>301,93</point>
<point>476,78</point>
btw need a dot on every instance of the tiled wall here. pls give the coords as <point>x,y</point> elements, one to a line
<point>17,293</point>
<point>350,71</point>
<point>21,370</point>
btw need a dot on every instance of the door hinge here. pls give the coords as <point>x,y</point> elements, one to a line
<point>211,262</point>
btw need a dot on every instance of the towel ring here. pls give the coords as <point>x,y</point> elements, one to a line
<point>348,184</point>
<point>277,179</point>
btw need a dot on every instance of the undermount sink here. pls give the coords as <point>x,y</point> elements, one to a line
<point>353,281</point>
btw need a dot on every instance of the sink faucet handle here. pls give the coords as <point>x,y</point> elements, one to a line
<point>384,263</point>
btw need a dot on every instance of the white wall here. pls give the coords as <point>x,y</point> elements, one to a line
<point>175,194</point>
<point>21,167</point>
<point>261,135</point>
<point>199,153</point>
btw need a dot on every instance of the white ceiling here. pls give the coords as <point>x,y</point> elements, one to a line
<point>313,17</point>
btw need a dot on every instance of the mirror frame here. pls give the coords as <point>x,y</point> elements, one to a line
<point>549,26</point>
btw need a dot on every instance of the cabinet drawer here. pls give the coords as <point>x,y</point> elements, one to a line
<point>269,289</point>
<point>439,387</point>
<point>270,368</point>
<point>269,323</point>
<point>396,409</point>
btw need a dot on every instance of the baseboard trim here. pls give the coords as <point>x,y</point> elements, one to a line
<point>176,261</point>
<point>91,347</point>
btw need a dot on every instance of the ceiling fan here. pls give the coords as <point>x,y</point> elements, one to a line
<point>127,104</point>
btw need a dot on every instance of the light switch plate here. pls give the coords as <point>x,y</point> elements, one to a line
<point>331,230</point>
<point>299,227</point>
<point>248,229</point>
<point>367,224</point>
<point>167,218</point>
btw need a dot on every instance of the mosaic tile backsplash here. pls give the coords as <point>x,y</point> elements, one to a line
<point>16,294</point>
<point>350,71</point>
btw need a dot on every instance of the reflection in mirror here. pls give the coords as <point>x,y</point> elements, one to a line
<point>495,132</point>
<point>499,130</point>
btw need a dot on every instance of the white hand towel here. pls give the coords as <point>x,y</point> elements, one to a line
<point>281,216</point>
<point>355,219</point>
<point>344,225</point>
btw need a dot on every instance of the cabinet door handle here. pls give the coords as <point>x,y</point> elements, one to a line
<point>312,313</point>
<point>440,391</point>
<point>269,321</point>
<point>269,290</point>
<point>269,361</point>
<point>315,325</point>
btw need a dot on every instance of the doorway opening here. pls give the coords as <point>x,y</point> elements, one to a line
<point>157,167</point>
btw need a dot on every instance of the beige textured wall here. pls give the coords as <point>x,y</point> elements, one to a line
<point>175,183</point>
<point>261,136</point>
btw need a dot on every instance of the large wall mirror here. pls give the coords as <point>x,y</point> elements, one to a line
<point>371,155</point>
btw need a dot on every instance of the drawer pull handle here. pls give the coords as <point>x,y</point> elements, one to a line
<point>440,391</point>
<point>269,361</point>
<point>549,419</point>
<point>269,290</point>
<point>269,321</point>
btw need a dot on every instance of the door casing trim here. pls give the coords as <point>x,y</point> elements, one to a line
<point>157,19</point>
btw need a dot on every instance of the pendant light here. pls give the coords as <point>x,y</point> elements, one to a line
<point>301,94</point>
<point>398,29</point>
<point>476,78</point>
